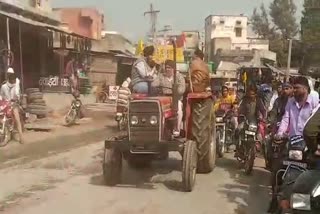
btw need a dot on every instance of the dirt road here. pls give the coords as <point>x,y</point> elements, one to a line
<point>71,182</point>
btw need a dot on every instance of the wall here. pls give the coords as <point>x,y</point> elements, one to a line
<point>103,69</point>
<point>87,22</point>
<point>222,27</point>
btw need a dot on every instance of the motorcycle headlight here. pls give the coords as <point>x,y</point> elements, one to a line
<point>78,104</point>
<point>300,202</point>
<point>317,192</point>
<point>134,120</point>
<point>153,120</point>
<point>253,128</point>
<point>219,119</point>
<point>295,155</point>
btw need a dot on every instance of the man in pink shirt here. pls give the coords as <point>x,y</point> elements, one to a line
<point>298,109</point>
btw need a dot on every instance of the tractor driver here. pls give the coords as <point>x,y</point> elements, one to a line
<point>165,80</point>
<point>142,69</point>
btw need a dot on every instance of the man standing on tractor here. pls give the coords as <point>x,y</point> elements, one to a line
<point>199,73</point>
<point>142,69</point>
<point>165,82</point>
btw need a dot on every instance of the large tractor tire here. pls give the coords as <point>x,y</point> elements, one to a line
<point>204,134</point>
<point>189,166</point>
<point>112,166</point>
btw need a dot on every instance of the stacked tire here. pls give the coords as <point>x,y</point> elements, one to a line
<point>36,103</point>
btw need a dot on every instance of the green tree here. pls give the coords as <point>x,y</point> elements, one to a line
<point>283,13</point>
<point>260,23</point>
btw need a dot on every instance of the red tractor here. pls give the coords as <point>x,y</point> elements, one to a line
<point>151,121</point>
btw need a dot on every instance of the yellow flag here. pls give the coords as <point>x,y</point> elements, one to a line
<point>140,47</point>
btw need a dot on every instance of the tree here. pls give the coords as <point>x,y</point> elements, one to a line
<point>261,24</point>
<point>283,13</point>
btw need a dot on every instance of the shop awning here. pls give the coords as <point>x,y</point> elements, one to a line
<point>33,22</point>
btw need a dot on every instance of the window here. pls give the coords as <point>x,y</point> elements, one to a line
<point>222,22</point>
<point>238,22</point>
<point>238,32</point>
<point>238,48</point>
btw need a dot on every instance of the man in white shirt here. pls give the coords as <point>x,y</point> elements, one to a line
<point>10,91</point>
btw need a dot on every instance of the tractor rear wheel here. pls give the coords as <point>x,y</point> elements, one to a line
<point>112,166</point>
<point>189,165</point>
<point>204,133</point>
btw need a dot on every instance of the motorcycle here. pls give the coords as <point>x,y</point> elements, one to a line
<point>122,117</point>
<point>293,165</point>
<point>305,197</point>
<point>248,144</point>
<point>271,150</point>
<point>224,131</point>
<point>74,112</point>
<point>7,122</point>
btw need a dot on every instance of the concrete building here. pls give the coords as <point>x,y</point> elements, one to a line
<point>229,33</point>
<point>88,22</point>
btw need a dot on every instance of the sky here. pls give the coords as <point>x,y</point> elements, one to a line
<point>126,16</point>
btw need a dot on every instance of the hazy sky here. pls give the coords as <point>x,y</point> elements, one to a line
<point>126,16</point>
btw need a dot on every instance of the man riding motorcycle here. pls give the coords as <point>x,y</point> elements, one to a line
<point>10,91</point>
<point>253,109</point>
<point>225,102</point>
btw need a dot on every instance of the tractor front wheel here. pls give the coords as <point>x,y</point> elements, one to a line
<point>204,133</point>
<point>189,166</point>
<point>112,166</point>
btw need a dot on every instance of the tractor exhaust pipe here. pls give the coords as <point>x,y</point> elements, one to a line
<point>175,98</point>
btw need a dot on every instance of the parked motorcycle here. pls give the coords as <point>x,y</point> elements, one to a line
<point>74,112</point>
<point>247,144</point>
<point>224,131</point>
<point>293,166</point>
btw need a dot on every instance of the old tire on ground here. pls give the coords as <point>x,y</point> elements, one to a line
<point>36,95</point>
<point>189,166</point>
<point>38,102</point>
<point>38,112</point>
<point>204,133</point>
<point>37,107</point>
<point>112,166</point>
<point>32,90</point>
<point>139,161</point>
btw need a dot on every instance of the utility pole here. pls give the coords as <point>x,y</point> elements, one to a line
<point>289,60</point>
<point>153,19</point>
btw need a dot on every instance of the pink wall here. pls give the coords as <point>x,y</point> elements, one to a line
<point>84,21</point>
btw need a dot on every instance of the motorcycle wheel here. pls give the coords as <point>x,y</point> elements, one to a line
<point>249,161</point>
<point>70,118</point>
<point>5,137</point>
<point>221,146</point>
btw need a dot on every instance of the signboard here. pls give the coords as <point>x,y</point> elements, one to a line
<point>113,92</point>
<point>166,52</point>
<point>54,84</point>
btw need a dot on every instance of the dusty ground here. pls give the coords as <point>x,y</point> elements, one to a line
<point>71,182</point>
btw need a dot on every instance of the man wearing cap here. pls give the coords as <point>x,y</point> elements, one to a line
<point>143,68</point>
<point>10,91</point>
<point>166,81</point>
<point>298,110</point>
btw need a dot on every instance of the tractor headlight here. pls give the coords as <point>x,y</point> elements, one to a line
<point>219,119</point>
<point>300,202</point>
<point>153,120</point>
<point>134,120</point>
<point>295,155</point>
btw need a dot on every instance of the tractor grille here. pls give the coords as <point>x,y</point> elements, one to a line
<point>144,131</point>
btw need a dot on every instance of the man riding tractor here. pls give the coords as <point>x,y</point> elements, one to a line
<point>152,123</point>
